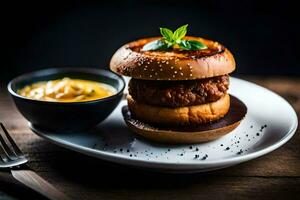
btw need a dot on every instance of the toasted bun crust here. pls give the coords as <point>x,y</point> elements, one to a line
<point>131,61</point>
<point>191,115</point>
<point>189,134</point>
<point>182,137</point>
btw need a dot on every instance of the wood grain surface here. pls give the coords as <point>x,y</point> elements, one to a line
<point>274,176</point>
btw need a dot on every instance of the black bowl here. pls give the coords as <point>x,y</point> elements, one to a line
<point>61,115</point>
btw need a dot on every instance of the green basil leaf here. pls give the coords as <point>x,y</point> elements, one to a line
<point>166,33</point>
<point>184,44</point>
<point>180,33</point>
<point>155,45</point>
<point>191,45</point>
<point>196,45</point>
<point>169,44</point>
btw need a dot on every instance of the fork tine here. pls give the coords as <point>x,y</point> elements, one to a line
<point>6,152</point>
<point>16,149</point>
<point>3,155</point>
<point>9,153</point>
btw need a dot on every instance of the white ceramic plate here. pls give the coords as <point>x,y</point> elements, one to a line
<point>269,123</point>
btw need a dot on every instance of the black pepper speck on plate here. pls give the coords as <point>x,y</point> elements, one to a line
<point>240,152</point>
<point>204,157</point>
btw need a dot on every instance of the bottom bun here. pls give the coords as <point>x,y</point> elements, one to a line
<point>190,115</point>
<point>188,134</point>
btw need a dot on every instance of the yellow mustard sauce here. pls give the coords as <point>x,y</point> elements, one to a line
<point>67,90</point>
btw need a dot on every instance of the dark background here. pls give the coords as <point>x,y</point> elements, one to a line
<point>262,35</point>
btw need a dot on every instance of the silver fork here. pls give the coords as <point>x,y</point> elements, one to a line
<point>12,158</point>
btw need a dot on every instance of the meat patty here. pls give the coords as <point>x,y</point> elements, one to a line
<point>179,93</point>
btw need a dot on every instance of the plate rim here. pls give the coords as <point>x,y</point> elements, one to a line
<point>154,163</point>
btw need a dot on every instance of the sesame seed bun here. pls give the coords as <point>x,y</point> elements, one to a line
<point>190,115</point>
<point>131,60</point>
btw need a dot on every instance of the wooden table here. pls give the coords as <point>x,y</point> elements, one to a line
<point>276,175</point>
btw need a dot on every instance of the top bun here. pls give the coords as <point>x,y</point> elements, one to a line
<point>174,64</point>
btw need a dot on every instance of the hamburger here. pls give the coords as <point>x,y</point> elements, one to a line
<point>178,92</point>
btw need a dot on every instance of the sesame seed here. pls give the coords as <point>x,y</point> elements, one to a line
<point>175,72</point>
